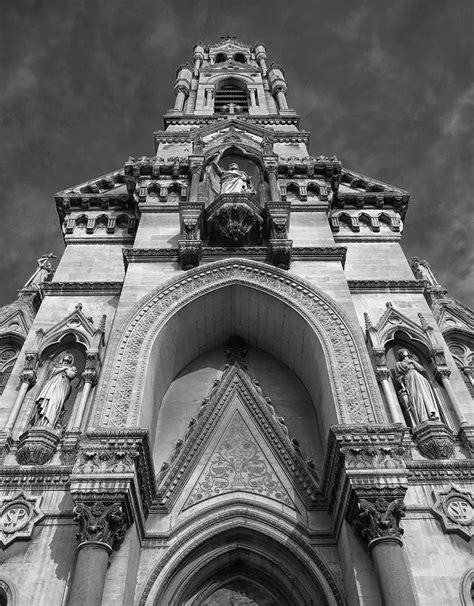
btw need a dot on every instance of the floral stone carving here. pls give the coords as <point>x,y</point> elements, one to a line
<point>37,445</point>
<point>238,464</point>
<point>101,522</point>
<point>19,513</point>
<point>379,519</point>
<point>434,440</point>
<point>455,510</point>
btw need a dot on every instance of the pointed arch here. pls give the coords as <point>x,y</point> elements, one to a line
<point>241,536</point>
<point>335,348</point>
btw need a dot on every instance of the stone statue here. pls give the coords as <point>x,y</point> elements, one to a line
<point>44,270</point>
<point>419,394</point>
<point>234,180</point>
<point>55,392</point>
<point>423,271</point>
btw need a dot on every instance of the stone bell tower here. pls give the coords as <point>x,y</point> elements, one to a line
<point>234,388</point>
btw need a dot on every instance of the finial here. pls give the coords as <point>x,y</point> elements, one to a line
<point>389,305</point>
<point>423,322</point>
<point>78,307</point>
<point>368,321</point>
<point>102,323</point>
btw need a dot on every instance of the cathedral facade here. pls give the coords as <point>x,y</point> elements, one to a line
<point>234,388</point>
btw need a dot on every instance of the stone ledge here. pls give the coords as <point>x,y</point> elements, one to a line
<point>81,288</point>
<point>363,238</point>
<point>429,472</point>
<point>374,286</point>
<point>323,253</point>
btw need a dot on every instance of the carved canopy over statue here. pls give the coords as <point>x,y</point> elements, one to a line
<point>417,395</point>
<point>233,180</point>
<point>55,392</point>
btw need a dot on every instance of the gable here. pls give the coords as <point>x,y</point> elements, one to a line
<point>237,445</point>
<point>238,463</point>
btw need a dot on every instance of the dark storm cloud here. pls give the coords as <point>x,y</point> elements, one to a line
<point>386,86</point>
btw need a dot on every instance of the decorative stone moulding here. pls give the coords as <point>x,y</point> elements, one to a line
<point>434,440</point>
<point>37,446</point>
<point>455,510</point>
<point>19,513</point>
<point>233,217</point>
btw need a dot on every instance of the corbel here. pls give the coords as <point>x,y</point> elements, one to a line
<point>70,224</point>
<point>132,225</point>
<point>90,225</point>
<point>335,225</point>
<point>111,222</point>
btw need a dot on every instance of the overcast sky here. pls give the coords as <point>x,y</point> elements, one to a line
<point>385,85</point>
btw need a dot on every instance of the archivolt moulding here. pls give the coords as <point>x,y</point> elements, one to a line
<point>353,385</point>
<point>245,527</point>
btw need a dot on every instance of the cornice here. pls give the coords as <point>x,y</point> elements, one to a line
<point>101,240</point>
<point>81,288</point>
<point>429,472</point>
<point>365,286</point>
<point>314,207</point>
<point>322,253</point>
<point>40,477</point>
<point>192,120</point>
<point>363,238</point>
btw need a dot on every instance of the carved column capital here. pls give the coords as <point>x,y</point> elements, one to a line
<point>442,373</point>
<point>196,169</point>
<point>90,373</point>
<point>382,374</point>
<point>28,373</point>
<point>379,519</point>
<point>101,522</point>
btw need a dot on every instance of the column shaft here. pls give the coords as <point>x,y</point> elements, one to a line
<point>393,406</point>
<point>89,575</point>
<point>274,192</point>
<point>253,99</point>
<point>179,101</point>
<point>392,573</point>
<point>194,191</point>
<point>76,417</point>
<point>282,100</point>
<point>17,405</point>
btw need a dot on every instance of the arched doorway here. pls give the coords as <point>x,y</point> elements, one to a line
<point>241,562</point>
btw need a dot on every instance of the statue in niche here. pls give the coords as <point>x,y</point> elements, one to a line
<point>55,392</point>
<point>234,180</point>
<point>416,394</point>
<point>43,272</point>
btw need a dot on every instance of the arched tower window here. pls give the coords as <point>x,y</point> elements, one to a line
<point>9,350</point>
<point>240,58</point>
<point>231,97</point>
<point>221,57</point>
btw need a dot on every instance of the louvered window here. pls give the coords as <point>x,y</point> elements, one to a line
<point>230,94</point>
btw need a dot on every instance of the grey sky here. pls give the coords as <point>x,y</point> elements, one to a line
<point>386,86</point>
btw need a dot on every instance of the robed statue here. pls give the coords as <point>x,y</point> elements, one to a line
<point>416,394</point>
<point>233,180</point>
<point>55,392</point>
